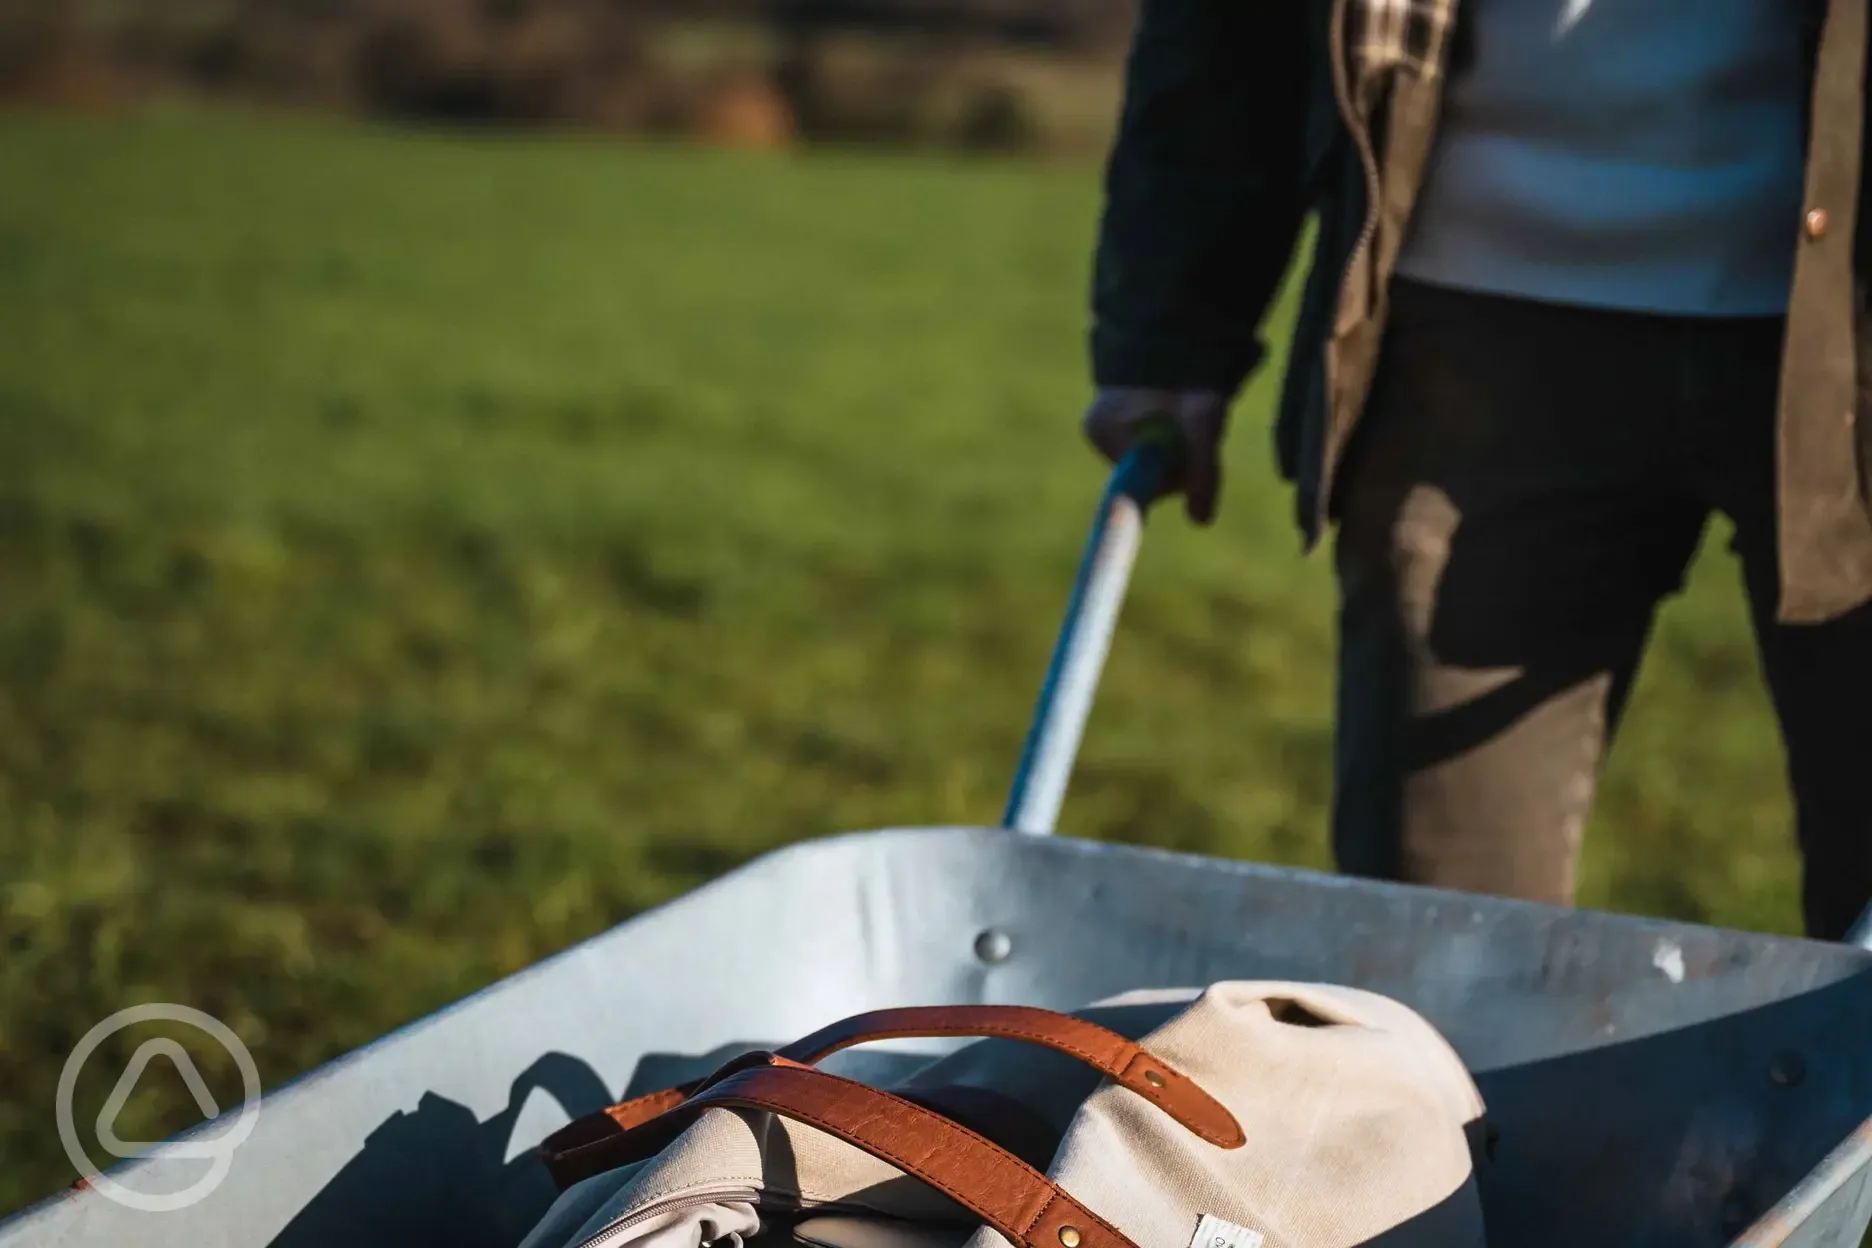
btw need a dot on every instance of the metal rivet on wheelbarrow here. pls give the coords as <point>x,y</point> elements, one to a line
<point>1069,1235</point>
<point>993,946</point>
<point>1787,1069</point>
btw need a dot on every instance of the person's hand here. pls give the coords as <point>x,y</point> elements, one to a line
<point>1118,413</point>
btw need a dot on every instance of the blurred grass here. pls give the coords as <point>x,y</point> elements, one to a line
<point>417,554</point>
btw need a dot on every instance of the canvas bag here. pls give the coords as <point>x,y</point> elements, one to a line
<point>1243,1115</point>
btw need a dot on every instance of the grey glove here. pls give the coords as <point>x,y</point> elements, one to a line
<point>1116,415</point>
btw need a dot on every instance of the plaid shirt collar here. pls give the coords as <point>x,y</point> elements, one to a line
<point>1387,37</point>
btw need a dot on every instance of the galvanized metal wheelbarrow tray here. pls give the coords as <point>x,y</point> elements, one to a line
<point>1652,1083</point>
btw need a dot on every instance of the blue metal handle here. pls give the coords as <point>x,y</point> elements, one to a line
<point>1085,636</point>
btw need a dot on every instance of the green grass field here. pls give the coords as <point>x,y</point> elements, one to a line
<point>420,553</point>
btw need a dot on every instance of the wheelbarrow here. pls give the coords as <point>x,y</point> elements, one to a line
<point>1651,1083</point>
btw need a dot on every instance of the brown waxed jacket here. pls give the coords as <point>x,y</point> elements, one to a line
<point>1230,139</point>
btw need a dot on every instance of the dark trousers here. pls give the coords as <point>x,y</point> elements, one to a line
<point>1529,482</point>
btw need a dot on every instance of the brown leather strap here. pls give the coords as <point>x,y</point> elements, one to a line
<point>1100,1048</point>
<point>997,1187</point>
<point>1104,1050</point>
<point>1122,1060</point>
<point>641,1109</point>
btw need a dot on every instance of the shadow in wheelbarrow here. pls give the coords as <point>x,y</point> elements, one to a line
<point>437,1175</point>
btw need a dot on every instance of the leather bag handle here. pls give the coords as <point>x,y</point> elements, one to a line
<point>1003,1191</point>
<point>1122,1060</point>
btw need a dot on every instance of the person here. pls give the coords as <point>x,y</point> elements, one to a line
<point>1585,273</point>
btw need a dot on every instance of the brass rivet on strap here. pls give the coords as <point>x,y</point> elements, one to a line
<point>1154,1079</point>
<point>1816,222</point>
<point>1069,1236</point>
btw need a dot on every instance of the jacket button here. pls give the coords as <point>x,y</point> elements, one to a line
<point>1816,222</point>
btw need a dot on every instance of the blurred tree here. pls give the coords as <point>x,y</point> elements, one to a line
<point>919,71</point>
<point>52,56</point>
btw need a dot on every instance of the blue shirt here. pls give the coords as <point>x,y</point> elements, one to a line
<point>1634,154</point>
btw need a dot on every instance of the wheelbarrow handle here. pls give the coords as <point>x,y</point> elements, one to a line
<point>1085,636</point>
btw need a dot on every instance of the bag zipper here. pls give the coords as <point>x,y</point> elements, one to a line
<point>675,1204</point>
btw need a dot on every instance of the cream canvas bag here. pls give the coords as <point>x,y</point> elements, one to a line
<point>1245,1115</point>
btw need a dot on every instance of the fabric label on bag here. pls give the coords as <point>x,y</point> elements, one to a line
<point>1213,1232</point>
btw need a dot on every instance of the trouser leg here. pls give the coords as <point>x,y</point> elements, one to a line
<point>1503,545</point>
<point>1819,676</point>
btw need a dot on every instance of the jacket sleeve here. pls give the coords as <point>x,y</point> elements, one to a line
<point>1203,195</point>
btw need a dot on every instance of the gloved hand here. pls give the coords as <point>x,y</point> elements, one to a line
<point>1117,414</point>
